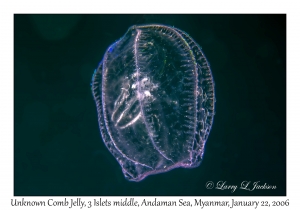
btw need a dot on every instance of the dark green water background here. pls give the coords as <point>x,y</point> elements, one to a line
<point>58,149</point>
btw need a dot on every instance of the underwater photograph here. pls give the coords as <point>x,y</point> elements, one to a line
<point>149,105</point>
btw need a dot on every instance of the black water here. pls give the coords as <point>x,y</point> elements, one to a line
<point>57,144</point>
